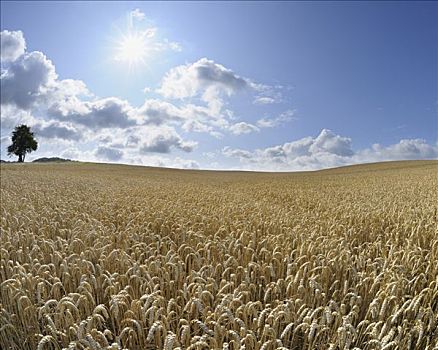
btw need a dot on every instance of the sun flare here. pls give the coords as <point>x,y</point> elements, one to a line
<point>132,49</point>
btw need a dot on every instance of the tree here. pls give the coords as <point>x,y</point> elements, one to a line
<point>22,142</point>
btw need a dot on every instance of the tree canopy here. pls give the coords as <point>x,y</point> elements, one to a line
<point>23,142</point>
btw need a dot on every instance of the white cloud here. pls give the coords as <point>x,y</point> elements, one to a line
<point>109,153</point>
<point>212,114</point>
<point>162,140</point>
<point>283,118</point>
<point>73,153</point>
<point>158,112</point>
<point>327,150</point>
<point>137,14</point>
<point>4,140</point>
<point>56,130</point>
<point>13,45</point>
<point>110,112</point>
<point>243,128</point>
<point>268,94</point>
<point>143,140</point>
<point>61,111</point>
<point>27,79</point>
<point>123,139</point>
<point>261,100</point>
<point>67,91</point>
<point>299,147</point>
<point>405,149</point>
<point>184,163</point>
<point>173,45</point>
<point>192,118</point>
<point>196,126</point>
<point>164,161</point>
<point>236,153</point>
<point>204,77</point>
<point>209,155</point>
<point>328,142</point>
<point>209,82</point>
<point>217,134</point>
<point>12,116</point>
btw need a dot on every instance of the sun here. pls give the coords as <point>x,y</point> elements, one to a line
<point>132,49</point>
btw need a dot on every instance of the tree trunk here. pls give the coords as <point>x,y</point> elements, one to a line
<point>20,158</point>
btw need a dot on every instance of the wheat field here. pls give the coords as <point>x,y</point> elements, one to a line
<point>97,256</point>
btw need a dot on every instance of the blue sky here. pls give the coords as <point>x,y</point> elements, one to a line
<point>248,85</point>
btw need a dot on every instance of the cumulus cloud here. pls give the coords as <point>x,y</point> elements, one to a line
<point>65,110</point>
<point>110,112</point>
<point>56,130</point>
<point>328,150</point>
<point>162,140</point>
<point>109,153</point>
<point>67,92</point>
<point>405,149</point>
<point>329,142</point>
<point>191,117</point>
<point>12,116</point>
<point>308,152</point>
<point>243,128</point>
<point>210,83</point>
<point>132,141</point>
<point>299,147</point>
<point>13,45</point>
<point>236,153</point>
<point>210,73</point>
<point>158,112</point>
<point>193,79</point>
<point>196,126</point>
<point>27,79</point>
<point>212,114</point>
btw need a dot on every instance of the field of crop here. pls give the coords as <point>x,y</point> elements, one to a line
<point>119,257</point>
